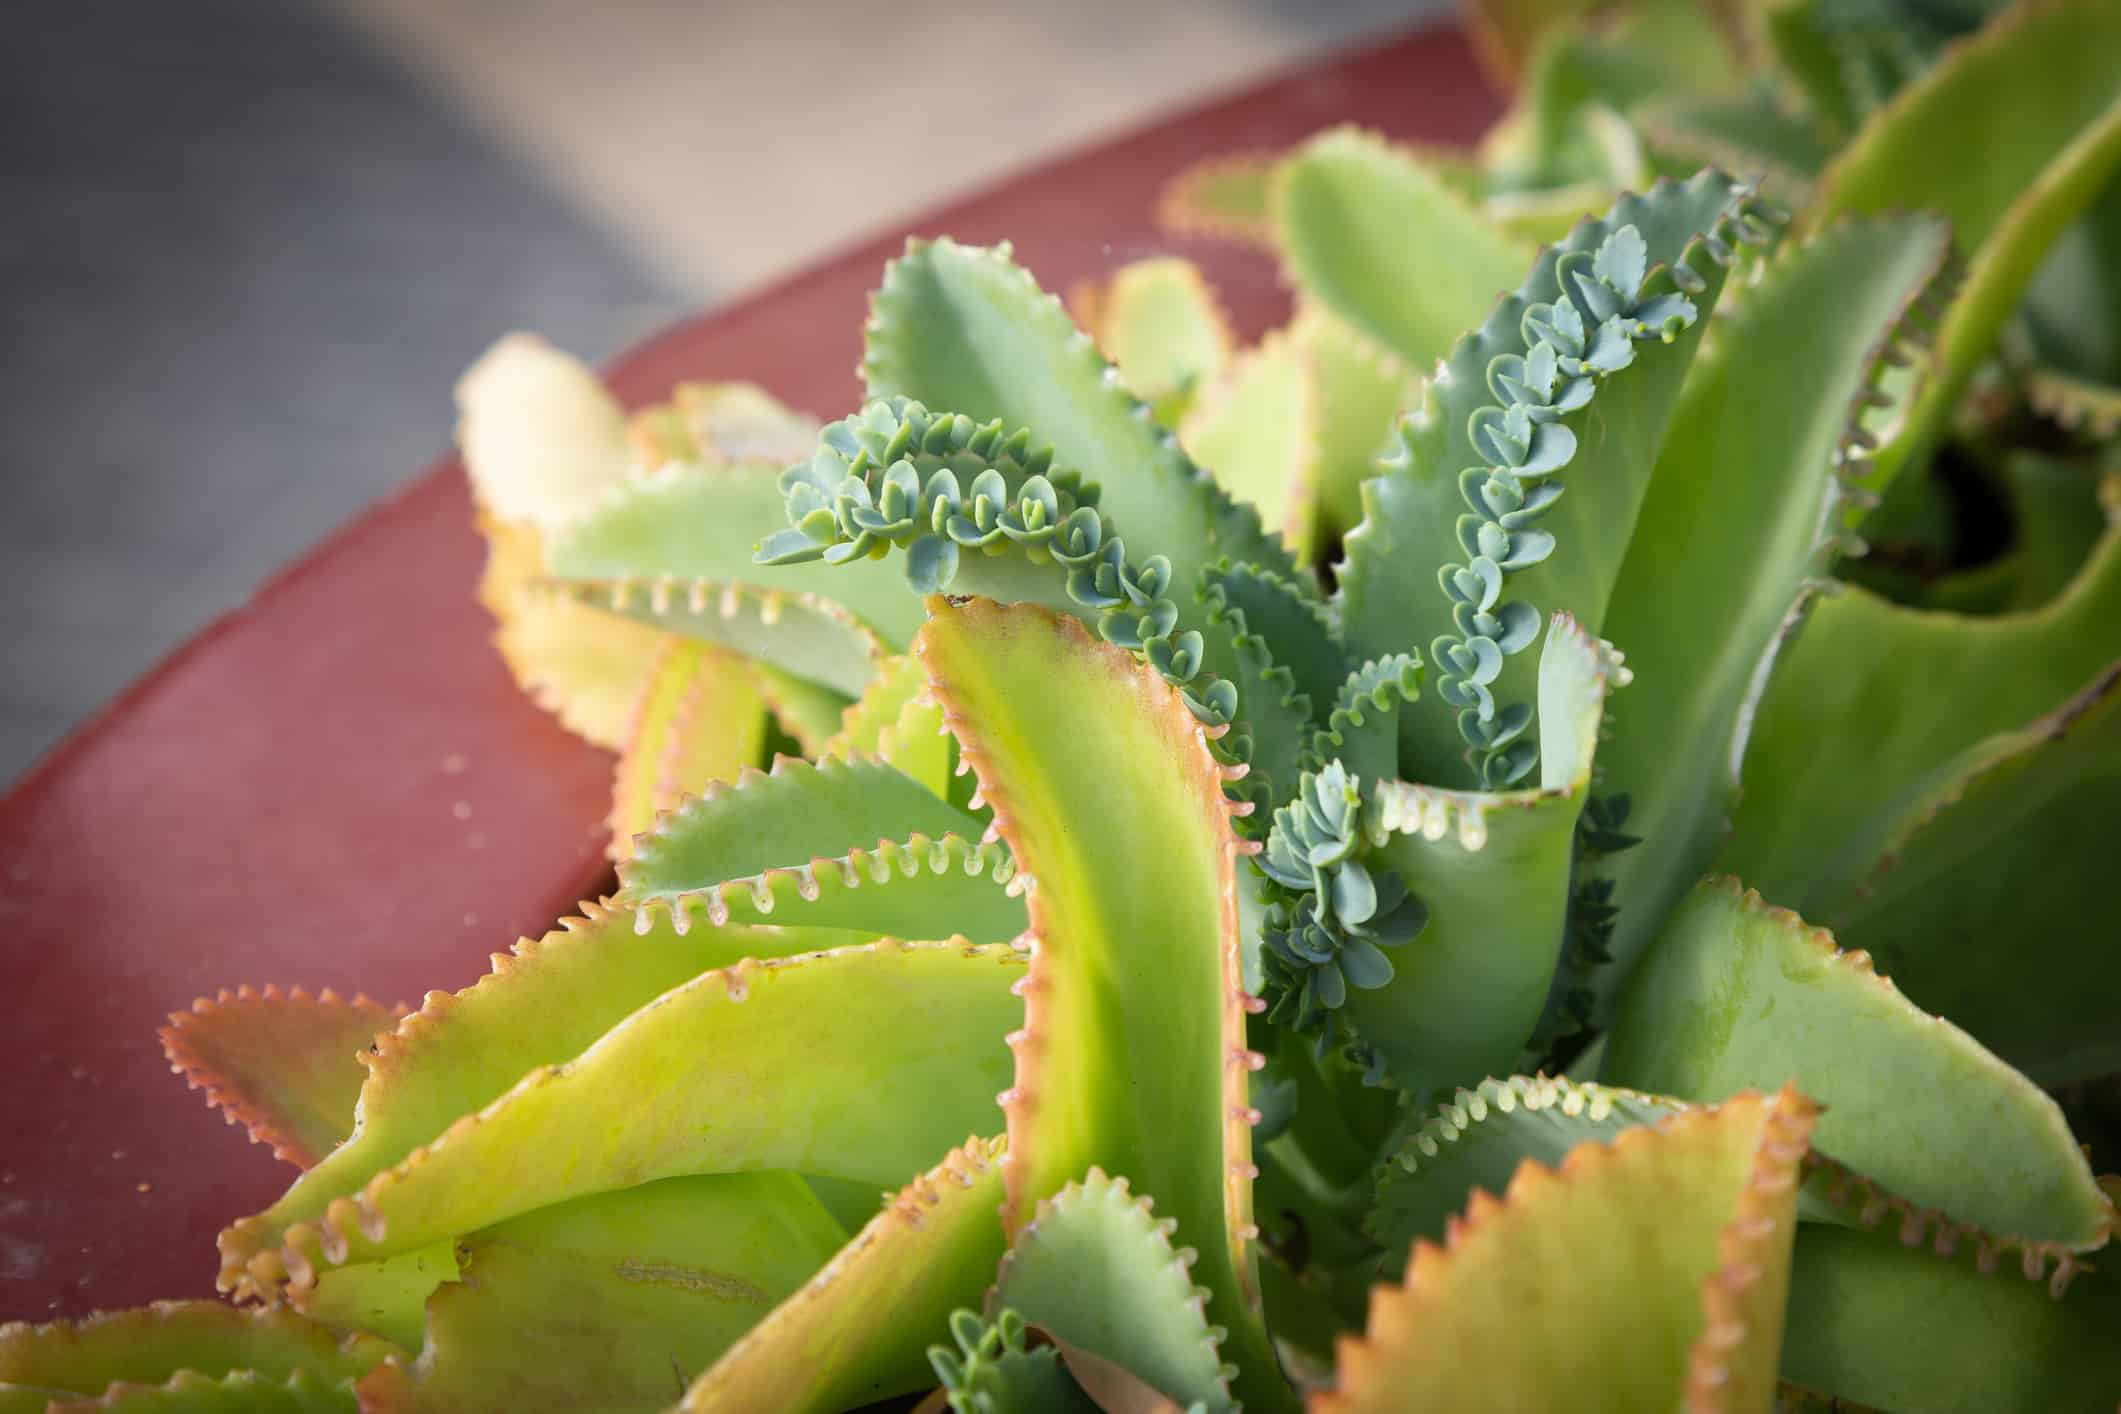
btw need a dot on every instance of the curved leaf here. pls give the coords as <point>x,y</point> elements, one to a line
<point>1851,723</point>
<point>857,1333</point>
<point>1493,871</point>
<point>1362,390</point>
<point>797,813</point>
<point>707,1079</point>
<point>147,1345</point>
<point>1390,599</point>
<point>1162,326</point>
<point>685,522</point>
<point>810,637</point>
<point>542,439</point>
<point>1479,1137</point>
<point>2009,188</point>
<point>1735,994</point>
<point>1744,510</point>
<point>1132,1055</point>
<point>1258,425</point>
<point>2011,841</point>
<point>1223,196</point>
<point>581,665</point>
<point>1691,1219</point>
<point>545,1002</point>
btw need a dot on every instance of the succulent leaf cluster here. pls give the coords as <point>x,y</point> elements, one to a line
<point>1248,911</point>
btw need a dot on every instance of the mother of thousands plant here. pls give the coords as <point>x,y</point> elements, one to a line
<point>1314,995</point>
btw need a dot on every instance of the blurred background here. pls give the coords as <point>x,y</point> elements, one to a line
<point>249,244</point>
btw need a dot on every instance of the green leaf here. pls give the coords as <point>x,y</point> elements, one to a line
<point>798,813</point>
<point>148,1344</point>
<point>545,1003</point>
<point>718,1075</point>
<point>1164,329</point>
<point>961,327</point>
<point>2010,841</point>
<point>1389,594</point>
<point>612,1302</point>
<point>1141,1310</point>
<point>858,1332</point>
<point>1743,511</point>
<point>1258,426</point>
<point>1893,1327</point>
<point>685,522</point>
<point>1132,1056</point>
<point>1297,629</point>
<point>1362,390</point>
<point>1735,994</point>
<point>2008,188</point>
<point>1386,245</point>
<point>1493,870</point>
<point>1477,1139</point>
<point>281,1064</point>
<point>1648,1273</point>
<point>1852,722</point>
<point>801,634</point>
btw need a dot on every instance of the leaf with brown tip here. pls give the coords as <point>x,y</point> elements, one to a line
<point>545,1002</point>
<point>1133,1053</point>
<point>1648,1273</point>
<point>284,1065</point>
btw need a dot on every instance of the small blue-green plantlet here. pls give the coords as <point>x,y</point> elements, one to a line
<point>1228,938</point>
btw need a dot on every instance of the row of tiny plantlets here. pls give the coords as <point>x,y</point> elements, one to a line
<point>889,477</point>
<point>1329,917</point>
<point>864,492</point>
<point>1585,335</point>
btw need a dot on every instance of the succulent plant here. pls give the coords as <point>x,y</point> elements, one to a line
<point>1314,994</point>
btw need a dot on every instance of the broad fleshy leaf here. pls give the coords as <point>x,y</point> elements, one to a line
<point>545,1002</point>
<point>1132,1055</point>
<point>1744,510</point>
<point>1493,871</point>
<point>1604,449</point>
<point>1735,994</point>
<point>1852,722</point>
<point>2008,188</point>
<point>716,1076</point>
<point>1387,245</point>
<point>1648,1273</point>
